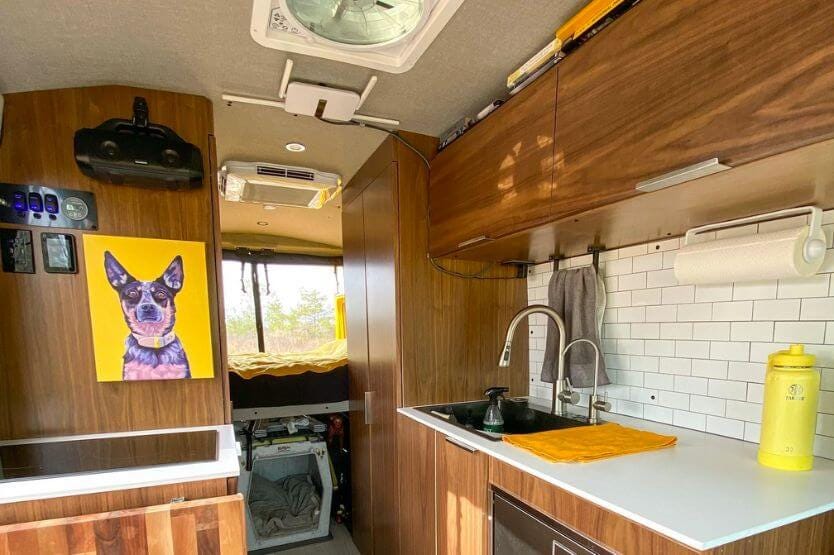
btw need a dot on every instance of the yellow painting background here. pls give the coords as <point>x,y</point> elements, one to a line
<point>145,260</point>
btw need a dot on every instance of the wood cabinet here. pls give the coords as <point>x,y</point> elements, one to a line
<point>462,495</point>
<point>666,86</point>
<point>453,515</point>
<point>214,526</point>
<point>415,335</point>
<point>418,516</point>
<point>671,84</point>
<point>498,178</point>
<point>444,496</point>
<point>813,535</point>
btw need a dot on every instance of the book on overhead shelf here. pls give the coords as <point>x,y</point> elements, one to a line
<point>590,20</point>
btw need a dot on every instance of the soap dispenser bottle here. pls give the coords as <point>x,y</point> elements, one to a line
<point>493,420</point>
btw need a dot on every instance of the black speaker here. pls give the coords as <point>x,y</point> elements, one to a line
<point>137,152</point>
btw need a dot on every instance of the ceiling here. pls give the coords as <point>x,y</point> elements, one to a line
<point>203,47</point>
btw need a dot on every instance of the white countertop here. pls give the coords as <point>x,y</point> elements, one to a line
<point>704,492</point>
<point>226,466</point>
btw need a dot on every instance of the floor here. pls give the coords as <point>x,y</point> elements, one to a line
<point>341,544</point>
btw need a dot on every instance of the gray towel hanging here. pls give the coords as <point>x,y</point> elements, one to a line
<point>573,294</point>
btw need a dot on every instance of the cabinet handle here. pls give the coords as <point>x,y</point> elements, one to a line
<point>562,549</point>
<point>682,175</point>
<point>473,241</point>
<point>460,445</point>
<point>369,395</point>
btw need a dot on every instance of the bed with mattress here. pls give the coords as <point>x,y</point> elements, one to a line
<point>272,385</point>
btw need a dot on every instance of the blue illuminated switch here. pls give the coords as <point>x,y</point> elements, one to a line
<point>19,202</point>
<point>50,202</point>
<point>35,202</point>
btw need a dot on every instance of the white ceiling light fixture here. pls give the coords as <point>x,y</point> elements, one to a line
<point>295,147</point>
<point>388,35</point>
<point>319,101</point>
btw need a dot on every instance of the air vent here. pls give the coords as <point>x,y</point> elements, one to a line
<point>276,184</point>
<point>278,171</point>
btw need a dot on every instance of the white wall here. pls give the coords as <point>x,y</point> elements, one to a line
<point>694,356</point>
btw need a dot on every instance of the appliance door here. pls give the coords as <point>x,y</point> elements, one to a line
<point>519,530</point>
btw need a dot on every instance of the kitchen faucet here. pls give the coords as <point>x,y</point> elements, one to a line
<point>562,392</point>
<point>595,404</point>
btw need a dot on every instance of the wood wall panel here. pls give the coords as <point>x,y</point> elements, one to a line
<point>453,329</point>
<point>47,375</point>
<point>77,505</point>
<point>210,526</point>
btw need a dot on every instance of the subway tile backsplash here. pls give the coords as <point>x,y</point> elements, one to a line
<point>694,356</point>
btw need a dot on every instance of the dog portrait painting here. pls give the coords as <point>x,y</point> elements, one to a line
<point>149,308</point>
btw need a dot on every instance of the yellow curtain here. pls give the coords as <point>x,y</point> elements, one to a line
<point>341,322</point>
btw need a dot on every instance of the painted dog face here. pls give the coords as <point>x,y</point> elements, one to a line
<point>148,306</point>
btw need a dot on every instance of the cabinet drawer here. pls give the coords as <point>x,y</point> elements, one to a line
<point>496,179</point>
<point>672,84</point>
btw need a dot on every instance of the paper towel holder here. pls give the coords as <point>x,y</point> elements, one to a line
<point>814,248</point>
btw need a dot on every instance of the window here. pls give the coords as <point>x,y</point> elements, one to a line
<point>288,308</point>
<point>241,330</point>
<point>298,306</point>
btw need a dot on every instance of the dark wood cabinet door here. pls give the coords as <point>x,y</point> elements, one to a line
<point>496,179</point>
<point>383,366</point>
<point>415,445</point>
<point>353,240</point>
<point>462,498</point>
<point>671,84</point>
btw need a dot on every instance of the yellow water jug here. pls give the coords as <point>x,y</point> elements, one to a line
<point>789,416</point>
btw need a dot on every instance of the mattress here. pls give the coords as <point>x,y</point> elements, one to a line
<point>259,380</point>
<point>308,388</point>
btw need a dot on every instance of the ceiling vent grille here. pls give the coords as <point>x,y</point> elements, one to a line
<point>277,185</point>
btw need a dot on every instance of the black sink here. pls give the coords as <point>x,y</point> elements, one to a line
<point>519,418</point>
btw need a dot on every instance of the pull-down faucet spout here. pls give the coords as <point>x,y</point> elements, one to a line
<point>562,393</point>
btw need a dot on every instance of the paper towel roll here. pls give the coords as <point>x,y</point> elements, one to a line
<point>774,255</point>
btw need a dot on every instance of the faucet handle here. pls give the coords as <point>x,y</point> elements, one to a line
<point>568,395</point>
<point>602,404</point>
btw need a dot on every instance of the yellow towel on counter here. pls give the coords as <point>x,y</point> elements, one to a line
<point>325,358</point>
<point>589,443</point>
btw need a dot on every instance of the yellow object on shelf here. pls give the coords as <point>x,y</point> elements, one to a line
<point>341,317</point>
<point>589,443</point>
<point>585,19</point>
<point>789,415</point>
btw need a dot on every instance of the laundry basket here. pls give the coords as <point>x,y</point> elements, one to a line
<point>288,494</point>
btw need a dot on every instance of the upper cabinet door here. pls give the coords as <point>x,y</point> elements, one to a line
<point>672,84</point>
<point>497,178</point>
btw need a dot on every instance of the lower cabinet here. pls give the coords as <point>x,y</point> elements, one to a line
<point>454,499</point>
<point>443,493</point>
<point>462,497</point>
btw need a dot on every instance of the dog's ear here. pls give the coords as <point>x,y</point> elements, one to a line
<point>173,275</point>
<point>116,273</point>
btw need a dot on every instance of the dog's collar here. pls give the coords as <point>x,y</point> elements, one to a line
<point>155,341</point>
